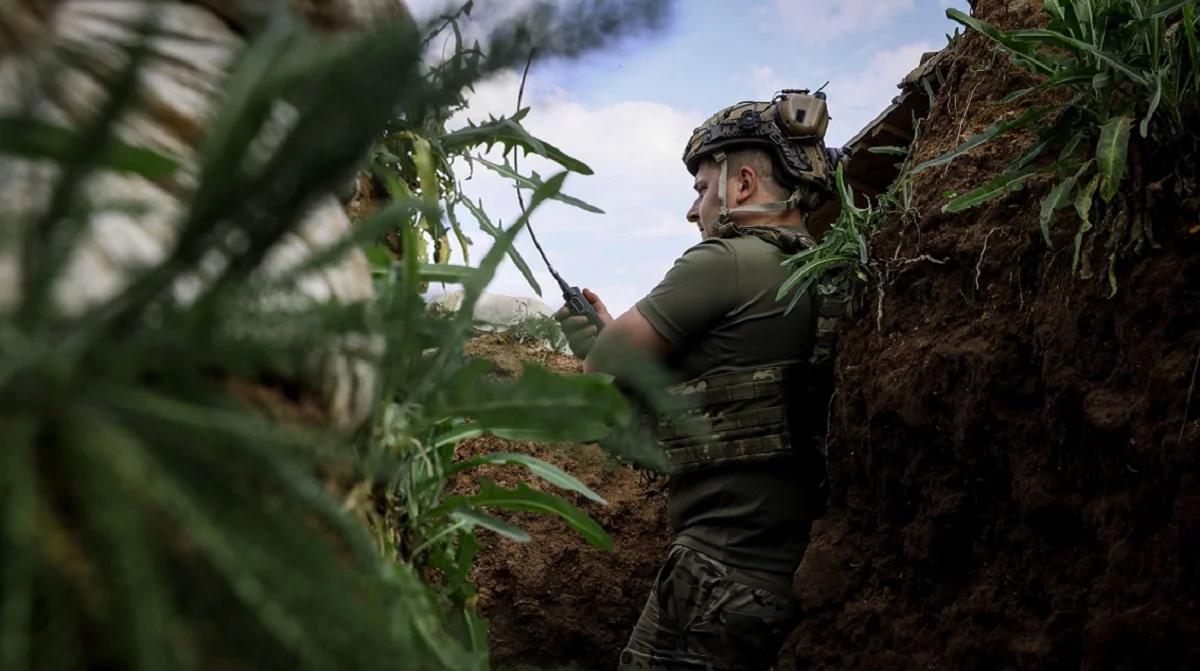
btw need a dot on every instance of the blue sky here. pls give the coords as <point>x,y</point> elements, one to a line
<point>628,111</point>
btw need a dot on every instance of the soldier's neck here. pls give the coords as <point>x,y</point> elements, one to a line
<point>793,219</point>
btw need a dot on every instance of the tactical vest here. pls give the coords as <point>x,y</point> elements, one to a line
<point>761,414</point>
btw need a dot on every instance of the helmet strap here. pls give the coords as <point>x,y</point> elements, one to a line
<point>725,215</point>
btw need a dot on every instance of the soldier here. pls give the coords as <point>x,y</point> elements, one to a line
<point>746,471</point>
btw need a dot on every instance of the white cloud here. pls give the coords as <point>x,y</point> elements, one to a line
<point>676,228</point>
<point>820,20</point>
<point>766,79</point>
<point>634,147</point>
<point>855,99</point>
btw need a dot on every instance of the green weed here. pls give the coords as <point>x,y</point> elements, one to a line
<point>840,261</point>
<point>1130,70</point>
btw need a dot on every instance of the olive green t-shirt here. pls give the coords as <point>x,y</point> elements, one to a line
<point>717,307</point>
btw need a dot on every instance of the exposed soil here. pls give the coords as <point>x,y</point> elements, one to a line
<point>558,602</point>
<point>1013,480</point>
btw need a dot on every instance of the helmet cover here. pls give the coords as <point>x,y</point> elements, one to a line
<point>790,128</point>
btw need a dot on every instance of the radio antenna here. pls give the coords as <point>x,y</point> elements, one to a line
<point>576,302</point>
<point>521,199</point>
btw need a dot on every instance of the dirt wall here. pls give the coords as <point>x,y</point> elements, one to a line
<point>1013,482</point>
<point>557,602</point>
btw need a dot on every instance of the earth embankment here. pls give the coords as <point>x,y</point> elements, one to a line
<point>1014,470</point>
<point>558,602</point>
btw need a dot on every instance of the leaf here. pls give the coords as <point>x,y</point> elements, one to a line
<point>486,225</point>
<point>539,405</point>
<point>1031,155</point>
<point>475,518</point>
<point>1166,9</point>
<point>888,151</point>
<point>459,575</point>
<point>1083,207</point>
<point>1111,155</point>
<point>526,499</point>
<point>1017,94</point>
<point>457,433</point>
<point>19,530</point>
<point>477,630</point>
<point>548,190</point>
<point>533,182</point>
<point>1193,42</point>
<point>1058,198</point>
<point>1086,16</point>
<point>543,469</point>
<point>1155,99</point>
<point>1071,147</point>
<point>1112,273</point>
<point>445,272</point>
<point>31,138</point>
<point>806,275</point>
<point>451,348</point>
<point>1054,9</point>
<point>928,91</point>
<point>1000,185</point>
<point>464,243</point>
<point>509,132</point>
<point>427,181</point>
<point>1000,127</point>
<point>1056,38</point>
<point>106,478</point>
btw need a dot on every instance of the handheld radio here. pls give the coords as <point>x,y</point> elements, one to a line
<point>576,303</point>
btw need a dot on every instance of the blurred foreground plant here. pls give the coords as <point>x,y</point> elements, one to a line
<point>151,516</point>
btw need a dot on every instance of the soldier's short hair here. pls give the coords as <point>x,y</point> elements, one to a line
<point>760,162</point>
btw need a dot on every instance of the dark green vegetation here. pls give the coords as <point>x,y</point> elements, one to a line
<point>1115,82</point>
<point>842,252</point>
<point>151,519</point>
<point>1118,81</point>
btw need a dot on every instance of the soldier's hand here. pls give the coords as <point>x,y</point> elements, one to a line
<point>580,332</point>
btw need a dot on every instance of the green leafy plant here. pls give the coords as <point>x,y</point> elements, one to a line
<point>153,517</point>
<point>840,260</point>
<point>416,157</point>
<point>1130,73</point>
<point>439,399</point>
<point>150,519</point>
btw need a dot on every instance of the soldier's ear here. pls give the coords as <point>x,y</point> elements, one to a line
<point>747,182</point>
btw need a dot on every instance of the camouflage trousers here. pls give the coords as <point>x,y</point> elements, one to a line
<point>703,614</point>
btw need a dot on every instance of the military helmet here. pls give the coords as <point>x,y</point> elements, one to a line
<point>791,128</point>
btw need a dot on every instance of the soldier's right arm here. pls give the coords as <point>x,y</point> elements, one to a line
<point>698,290</point>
